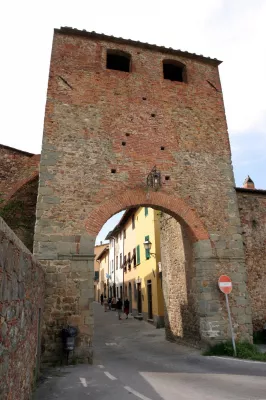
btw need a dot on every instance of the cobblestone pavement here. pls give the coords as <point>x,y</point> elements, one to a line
<point>132,360</point>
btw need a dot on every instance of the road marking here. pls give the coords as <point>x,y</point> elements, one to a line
<point>113,378</point>
<point>101,366</point>
<point>83,381</point>
<point>111,344</point>
<point>141,396</point>
<point>238,359</point>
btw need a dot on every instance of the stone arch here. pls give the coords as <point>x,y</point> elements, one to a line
<point>29,174</point>
<point>172,205</point>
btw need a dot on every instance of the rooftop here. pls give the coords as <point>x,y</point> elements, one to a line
<point>17,150</point>
<point>169,50</point>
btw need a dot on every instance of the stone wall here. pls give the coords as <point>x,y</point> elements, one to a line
<point>179,290</point>
<point>252,207</point>
<point>21,304</point>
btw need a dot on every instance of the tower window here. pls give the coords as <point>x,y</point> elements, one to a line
<point>174,71</point>
<point>118,60</point>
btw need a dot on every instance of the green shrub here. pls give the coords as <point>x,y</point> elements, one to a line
<point>244,350</point>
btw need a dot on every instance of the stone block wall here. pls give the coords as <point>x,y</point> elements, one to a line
<point>252,208</point>
<point>181,320</point>
<point>21,304</point>
<point>190,283</point>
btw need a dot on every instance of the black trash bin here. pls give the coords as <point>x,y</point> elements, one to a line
<point>68,336</point>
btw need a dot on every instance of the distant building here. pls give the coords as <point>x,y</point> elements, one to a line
<point>103,260</point>
<point>138,278</point>
<point>97,251</point>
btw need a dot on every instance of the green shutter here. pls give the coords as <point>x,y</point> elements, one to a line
<point>138,255</point>
<point>146,211</point>
<point>147,251</point>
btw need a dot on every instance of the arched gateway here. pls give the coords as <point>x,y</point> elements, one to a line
<point>108,122</point>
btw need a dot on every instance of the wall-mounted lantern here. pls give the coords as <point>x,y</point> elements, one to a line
<point>147,246</point>
<point>154,179</point>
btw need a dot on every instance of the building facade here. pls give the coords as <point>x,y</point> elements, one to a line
<point>116,254</point>
<point>103,260</point>
<point>97,290</point>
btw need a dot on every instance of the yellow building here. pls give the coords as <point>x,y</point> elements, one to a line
<point>142,275</point>
<point>97,250</point>
<point>103,260</point>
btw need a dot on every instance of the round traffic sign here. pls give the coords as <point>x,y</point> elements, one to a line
<point>225,284</point>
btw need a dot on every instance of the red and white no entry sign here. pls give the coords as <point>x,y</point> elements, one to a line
<point>225,284</point>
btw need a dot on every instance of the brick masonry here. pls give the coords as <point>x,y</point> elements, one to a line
<point>21,305</point>
<point>178,126</point>
<point>252,208</point>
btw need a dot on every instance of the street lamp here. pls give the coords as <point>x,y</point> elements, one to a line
<point>154,179</point>
<point>147,246</point>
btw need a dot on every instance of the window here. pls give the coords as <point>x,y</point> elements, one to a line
<point>147,251</point>
<point>133,221</point>
<point>116,262</point>
<point>129,261</point>
<point>174,71</point>
<point>125,235</point>
<point>138,255</point>
<point>120,260</point>
<point>117,292</point>
<point>134,258</point>
<point>112,266</point>
<point>146,211</point>
<point>125,262</point>
<point>118,60</point>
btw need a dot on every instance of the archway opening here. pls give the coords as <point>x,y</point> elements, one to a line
<point>144,256</point>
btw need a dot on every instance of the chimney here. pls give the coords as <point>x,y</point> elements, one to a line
<point>248,183</point>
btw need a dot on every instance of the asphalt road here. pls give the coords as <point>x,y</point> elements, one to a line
<point>133,361</point>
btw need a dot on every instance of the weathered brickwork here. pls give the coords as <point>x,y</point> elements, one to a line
<point>21,304</point>
<point>16,169</point>
<point>20,212</point>
<point>87,174</point>
<point>252,208</point>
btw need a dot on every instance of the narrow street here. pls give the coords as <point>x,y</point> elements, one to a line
<point>132,360</point>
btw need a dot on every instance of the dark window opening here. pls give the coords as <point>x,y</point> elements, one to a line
<point>127,134</point>
<point>123,143</point>
<point>174,71</point>
<point>118,61</point>
<point>134,258</point>
<point>162,147</point>
<point>129,261</point>
<point>133,221</point>
<point>167,177</point>
<point>113,170</point>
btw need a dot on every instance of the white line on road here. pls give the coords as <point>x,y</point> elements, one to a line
<point>141,396</point>
<point>238,359</point>
<point>83,381</point>
<point>113,378</point>
<point>101,366</point>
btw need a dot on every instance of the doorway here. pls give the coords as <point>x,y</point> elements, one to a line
<point>139,298</point>
<point>149,298</point>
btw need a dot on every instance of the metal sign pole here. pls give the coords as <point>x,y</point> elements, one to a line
<point>230,323</point>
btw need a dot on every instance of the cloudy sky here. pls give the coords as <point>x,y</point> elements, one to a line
<point>231,30</point>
